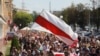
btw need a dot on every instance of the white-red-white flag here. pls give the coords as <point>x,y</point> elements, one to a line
<point>50,23</point>
<point>58,54</point>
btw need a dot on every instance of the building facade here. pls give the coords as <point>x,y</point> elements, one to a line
<point>5,19</point>
<point>5,16</point>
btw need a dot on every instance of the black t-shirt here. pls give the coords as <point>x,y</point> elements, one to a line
<point>98,50</point>
<point>93,54</point>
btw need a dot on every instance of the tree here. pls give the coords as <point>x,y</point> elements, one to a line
<point>70,15</point>
<point>76,15</point>
<point>97,18</point>
<point>34,15</point>
<point>64,14</point>
<point>83,15</point>
<point>14,11</point>
<point>22,19</point>
<point>15,43</point>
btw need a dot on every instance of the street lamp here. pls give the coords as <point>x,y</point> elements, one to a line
<point>20,25</point>
<point>61,17</point>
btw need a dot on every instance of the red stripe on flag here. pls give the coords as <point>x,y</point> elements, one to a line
<point>54,29</point>
<point>59,55</point>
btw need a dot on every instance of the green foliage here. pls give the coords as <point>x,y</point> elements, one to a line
<point>76,14</point>
<point>82,15</point>
<point>97,17</point>
<point>64,13</point>
<point>8,46</point>
<point>22,19</point>
<point>14,11</point>
<point>15,42</point>
<point>70,14</point>
<point>34,15</point>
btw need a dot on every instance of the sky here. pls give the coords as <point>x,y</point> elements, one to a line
<point>39,5</point>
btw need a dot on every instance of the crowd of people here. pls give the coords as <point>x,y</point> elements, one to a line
<point>44,44</point>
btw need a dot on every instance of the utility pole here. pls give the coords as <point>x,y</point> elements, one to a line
<point>23,5</point>
<point>89,16</point>
<point>50,6</point>
<point>98,6</point>
<point>93,13</point>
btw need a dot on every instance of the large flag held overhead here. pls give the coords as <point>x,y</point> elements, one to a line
<point>50,23</point>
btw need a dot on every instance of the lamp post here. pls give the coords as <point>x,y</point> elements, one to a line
<point>61,17</point>
<point>20,26</point>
